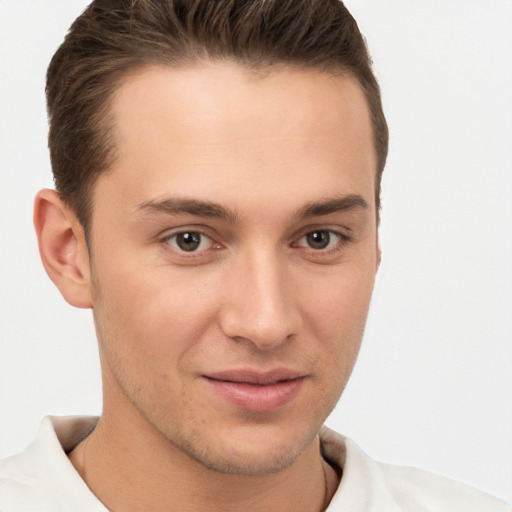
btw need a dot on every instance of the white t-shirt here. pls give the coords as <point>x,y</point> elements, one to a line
<point>42,479</point>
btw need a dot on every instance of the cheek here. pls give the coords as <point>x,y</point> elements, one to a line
<point>339,302</point>
<point>336,312</point>
<point>153,316</point>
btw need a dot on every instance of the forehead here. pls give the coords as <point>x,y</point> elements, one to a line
<point>216,126</point>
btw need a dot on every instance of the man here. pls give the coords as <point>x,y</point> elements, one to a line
<point>218,175</point>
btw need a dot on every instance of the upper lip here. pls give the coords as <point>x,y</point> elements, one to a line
<point>252,376</point>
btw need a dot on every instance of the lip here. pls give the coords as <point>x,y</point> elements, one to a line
<point>257,391</point>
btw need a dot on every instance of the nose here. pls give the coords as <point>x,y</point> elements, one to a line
<point>260,301</point>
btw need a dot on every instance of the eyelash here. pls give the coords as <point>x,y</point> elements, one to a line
<point>166,241</point>
<point>342,240</point>
<point>339,245</point>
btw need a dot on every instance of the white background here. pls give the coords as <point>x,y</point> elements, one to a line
<point>433,385</point>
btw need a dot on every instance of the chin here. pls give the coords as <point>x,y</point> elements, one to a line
<point>261,453</point>
<point>244,462</point>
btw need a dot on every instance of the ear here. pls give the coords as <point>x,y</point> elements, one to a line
<point>63,248</point>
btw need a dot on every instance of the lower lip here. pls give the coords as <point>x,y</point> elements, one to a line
<point>257,398</point>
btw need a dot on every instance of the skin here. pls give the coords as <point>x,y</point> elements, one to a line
<point>255,294</point>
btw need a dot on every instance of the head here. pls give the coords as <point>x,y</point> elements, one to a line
<point>115,38</point>
<point>220,216</point>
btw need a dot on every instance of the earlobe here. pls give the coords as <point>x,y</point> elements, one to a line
<point>63,248</point>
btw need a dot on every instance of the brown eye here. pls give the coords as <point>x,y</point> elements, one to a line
<point>318,239</point>
<point>190,241</point>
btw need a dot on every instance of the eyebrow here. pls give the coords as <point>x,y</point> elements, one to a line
<point>200,208</point>
<point>183,206</point>
<point>332,205</point>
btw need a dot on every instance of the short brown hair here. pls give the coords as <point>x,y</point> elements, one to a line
<point>113,37</point>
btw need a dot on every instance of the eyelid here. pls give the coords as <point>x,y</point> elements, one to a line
<point>165,236</point>
<point>344,232</point>
<point>204,240</point>
<point>167,233</point>
<point>331,232</point>
<point>326,255</point>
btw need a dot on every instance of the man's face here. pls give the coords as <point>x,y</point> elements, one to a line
<point>234,249</point>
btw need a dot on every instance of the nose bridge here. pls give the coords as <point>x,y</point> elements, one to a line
<point>260,303</point>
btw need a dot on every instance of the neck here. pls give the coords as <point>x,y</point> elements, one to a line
<point>131,467</point>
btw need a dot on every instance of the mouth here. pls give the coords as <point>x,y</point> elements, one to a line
<point>256,391</point>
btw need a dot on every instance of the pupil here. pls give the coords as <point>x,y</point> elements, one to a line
<point>318,239</point>
<point>188,241</point>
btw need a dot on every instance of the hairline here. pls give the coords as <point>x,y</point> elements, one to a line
<point>257,68</point>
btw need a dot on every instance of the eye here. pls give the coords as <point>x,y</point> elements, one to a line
<point>190,241</point>
<point>320,239</point>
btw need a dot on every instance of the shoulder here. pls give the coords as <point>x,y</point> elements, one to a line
<point>41,477</point>
<point>369,485</point>
<point>416,489</point>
